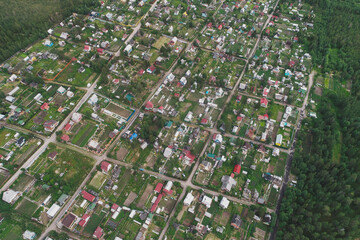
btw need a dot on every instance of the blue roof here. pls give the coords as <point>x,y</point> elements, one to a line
<point>133,136</point>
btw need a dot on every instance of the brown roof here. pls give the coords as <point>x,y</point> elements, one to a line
<point>68,220</point>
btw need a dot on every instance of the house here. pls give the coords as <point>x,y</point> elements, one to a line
<point>168,152</point>
<point>158,187</point>
<point>10,99</point>
<point>236,221</point>
<point>204,121</point>
<point>114,207</point>
<point>52,155</point>
<point>64,35</point>
<point>237,169</point>
<point>228,182</point>
<point>68,220</point>
<point>217,138</point>
<point>45,106</point>
<point>62,199</point>
<point>20,142</point>
<point>279,139</point>
<point>76,117</point>
<point>206,201</point>
<point>105,166</point>
<point>50,125</point>
<point>189,158</point>
<point>264,102</point>
<point>93,144</point>
<point>87,196</point>
<point>12,78</point>
<point>168,187</point>
<point>100,51</point>
<point>93,99</point>
<point>128,49</point>
<point>151,69</point>
<point>188,199</point>
<point>205,165</point>
<point>65,138</point>
<point>224,203</point>
<point>53,210</point>
<point>156,203</point>
<point>84,220</point>
<point>28,235</point>
<point>10,196</point>
<point>61,90</point>
<point>149,106</point>
<point>87,48</point>
<point>68,126</point>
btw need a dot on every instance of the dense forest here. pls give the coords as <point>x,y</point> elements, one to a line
<point>325,204</point>
<point>23,22</point>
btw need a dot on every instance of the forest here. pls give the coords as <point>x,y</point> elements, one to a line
<point>23,22</point>
<point>325,204</point>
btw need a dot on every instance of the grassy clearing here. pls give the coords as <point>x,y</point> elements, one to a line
<point>98,180</point>
<point>27,208</point>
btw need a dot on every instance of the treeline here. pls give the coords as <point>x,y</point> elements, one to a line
<point>23,22</point>
<point>325,204</point>
<point>335,44</point>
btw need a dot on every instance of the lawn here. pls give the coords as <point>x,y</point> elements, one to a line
<point>93,223</point>
<point>98,180</point>
<point>27,208</point>
<point>84,134</point>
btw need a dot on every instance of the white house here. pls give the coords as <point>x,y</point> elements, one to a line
<point>28,235</point>
<point>188,200</point>
<point>224,203</point>
<point>207,201</point>
<point>53,210</point>
<point>93,100</point>
<point>10,196</point>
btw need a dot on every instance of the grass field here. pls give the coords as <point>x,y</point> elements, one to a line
<point>93,223</point>
<point>27,208</point>
<point>14,234</point>
<point>84,134</point>
<point>98,180</point>
<point>119,110</point>
<point>21,183</point>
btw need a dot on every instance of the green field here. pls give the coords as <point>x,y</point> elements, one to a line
<point>27,208</point>
<point>84,134</point>
<point>98,180</point>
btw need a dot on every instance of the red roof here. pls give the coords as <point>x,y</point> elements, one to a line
<point>88,196</point>
<point>84,220</point>
<point>291,63</point>
<point>156,203</point>
<point>149,105</point>
<point>100,50</point>
<point>264,101</point>
<point>98,232</point>
<point>158,187</point>
<point>115,206</point>
<point>105,166</point>
<point>266,116</point>
<point>141,72</point>
<point>190,156</point>
<point>239,118</point>
<point>45,106</point>
<point>152,68</point>
<point>161,108</point>
<point>86,47</point>
<point>176,94</point>
<point>237,169</point>
<point>204,121</point>
<point>232,175</point>
<point>116,80</point>
<point>67,127</point>
<point>220,27</point>
<point>65,138</point>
